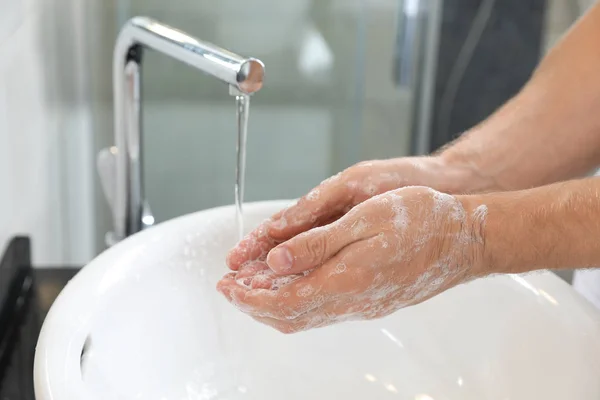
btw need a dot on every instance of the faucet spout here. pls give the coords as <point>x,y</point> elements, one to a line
<point>129,207</point>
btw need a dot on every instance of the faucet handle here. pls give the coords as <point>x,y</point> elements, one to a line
<point>106,164</point>
<point>107,170</point>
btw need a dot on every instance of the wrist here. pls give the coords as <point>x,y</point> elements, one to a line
<point>459,175</point>
<point>478,258</point>
<point>517,235</point>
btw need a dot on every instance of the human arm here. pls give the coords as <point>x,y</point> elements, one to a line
<point>408,245</point>
<point>550,227</point>
<point>550,131</point>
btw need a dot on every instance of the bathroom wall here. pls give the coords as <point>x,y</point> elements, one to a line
<point>329,99</point>
<point>56,107</point>
<point>330,96</point>
<point>45,171</point>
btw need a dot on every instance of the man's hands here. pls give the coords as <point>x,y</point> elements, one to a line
<point>337,195</point>
<point>393,250</point>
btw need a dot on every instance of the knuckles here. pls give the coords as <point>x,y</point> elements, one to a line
<point>315,248</point>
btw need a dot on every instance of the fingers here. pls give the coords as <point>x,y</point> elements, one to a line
<point>350,286</point>
<point>257,244</point>
<point>349,311</point>
<point>297,325</point>
<point>324,203</point>
<point>254,246</point>
<point>289,301</point>
<point>322,206</point>
<point>312,320</point>
<point>252,268</point>
<point>257,275</point>
<point>253,274</point>
<point>322,289</point>
<point>311,249</point>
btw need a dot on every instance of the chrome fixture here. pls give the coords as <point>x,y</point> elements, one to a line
<point>121,167</point>
<point>415,60</point>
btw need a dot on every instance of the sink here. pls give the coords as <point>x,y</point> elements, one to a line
<point>143,321</point>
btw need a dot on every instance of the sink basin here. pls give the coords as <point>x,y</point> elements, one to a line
<point>144,321</point>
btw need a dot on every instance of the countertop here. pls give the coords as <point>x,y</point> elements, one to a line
<point>17,383</point>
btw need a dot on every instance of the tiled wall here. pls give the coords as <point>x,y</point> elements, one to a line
<point>44,173</point>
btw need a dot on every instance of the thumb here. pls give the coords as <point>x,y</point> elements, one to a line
<point>312,248</point>
<point>306,251</point>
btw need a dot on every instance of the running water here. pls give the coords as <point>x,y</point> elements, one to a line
<point>229,386</point>
<point>242,102</point>
<point>230,342</point>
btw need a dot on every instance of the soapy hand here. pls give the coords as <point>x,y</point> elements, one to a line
<point>333,198</point>
<point>393,250</point>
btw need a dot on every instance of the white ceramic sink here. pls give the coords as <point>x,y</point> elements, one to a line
<point>156,328</point>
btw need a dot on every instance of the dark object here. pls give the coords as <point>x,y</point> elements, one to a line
<point>16,340</point>
<point>25,297</point>
<point>506,54</point>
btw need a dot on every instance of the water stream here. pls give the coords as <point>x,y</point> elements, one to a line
<point>231,341</point>
<point>242,103</point>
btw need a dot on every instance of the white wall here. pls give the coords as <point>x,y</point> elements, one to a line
<point>45,164</point>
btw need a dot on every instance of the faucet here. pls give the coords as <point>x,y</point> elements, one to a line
<point>415,61</point>
<point>120,167</point>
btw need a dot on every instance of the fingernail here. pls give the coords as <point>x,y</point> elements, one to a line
<point>280,259</point>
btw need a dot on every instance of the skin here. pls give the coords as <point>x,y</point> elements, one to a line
<point>388,234</point>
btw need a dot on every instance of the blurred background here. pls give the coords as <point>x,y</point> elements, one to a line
<point>347,80</point>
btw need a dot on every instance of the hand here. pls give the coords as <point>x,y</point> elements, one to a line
<point>335,196</point>
<point>394,250</point>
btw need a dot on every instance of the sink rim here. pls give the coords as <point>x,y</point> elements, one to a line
<point>63,335</point>
<point>57,324</point>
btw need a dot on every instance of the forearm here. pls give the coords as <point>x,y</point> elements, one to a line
<point>550,131</point>
<point>550,227</point>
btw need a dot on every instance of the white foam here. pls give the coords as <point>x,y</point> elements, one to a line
<point>305,291</point>
<point>313,194</point>
<point>359,227</point>
<point>480,213</point>
<point>401,218</point>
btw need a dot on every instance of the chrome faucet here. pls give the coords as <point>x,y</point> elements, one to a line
<point>120,167</point>
<point>415,61</point>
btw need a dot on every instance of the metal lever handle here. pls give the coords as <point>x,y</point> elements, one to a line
<point>407,44</point>
<point>106,164</point>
